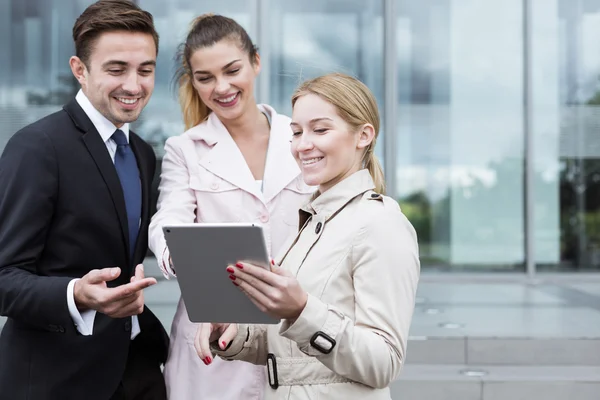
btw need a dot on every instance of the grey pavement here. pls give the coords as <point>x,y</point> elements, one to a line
<point>466,309</point>
<point>455,310</point>
<point>484,339</point>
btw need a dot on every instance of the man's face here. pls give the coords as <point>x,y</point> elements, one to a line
<point>120,77</point>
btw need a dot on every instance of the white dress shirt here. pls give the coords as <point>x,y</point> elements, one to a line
<point>84,321</point>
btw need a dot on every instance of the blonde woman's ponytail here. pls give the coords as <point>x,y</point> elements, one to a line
<point>373,165</point>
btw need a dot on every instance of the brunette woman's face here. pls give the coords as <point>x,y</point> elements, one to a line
<point>224,76</point>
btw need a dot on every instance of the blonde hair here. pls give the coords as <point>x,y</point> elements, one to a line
<point>206,30</point>
<point>356,105</point>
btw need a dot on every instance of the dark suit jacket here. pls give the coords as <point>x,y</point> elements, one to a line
<point>62,214</point>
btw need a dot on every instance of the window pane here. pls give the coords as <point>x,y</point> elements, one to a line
<point>162,116</point>
<point>460,137</point>
<point>314,37</point>
<point>566,121</point>
<point>35,46</point>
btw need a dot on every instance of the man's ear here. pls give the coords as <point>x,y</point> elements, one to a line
<point>366,136</point>
<point>78,69</point>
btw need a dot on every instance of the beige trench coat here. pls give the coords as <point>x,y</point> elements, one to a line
<point>357,257</point>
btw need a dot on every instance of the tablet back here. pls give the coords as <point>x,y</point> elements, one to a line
<point>200,254</point>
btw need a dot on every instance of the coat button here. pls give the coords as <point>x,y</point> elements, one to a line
<point>264,218</point>
<point>318,228</point>
<point>214,185</point>
<point>127,326</point>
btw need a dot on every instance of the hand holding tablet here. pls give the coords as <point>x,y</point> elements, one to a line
<point>200,253</point>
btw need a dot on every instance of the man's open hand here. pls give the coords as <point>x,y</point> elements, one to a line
<point>92,293</point>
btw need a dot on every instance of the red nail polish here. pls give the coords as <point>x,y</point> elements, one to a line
<point>230,270</point>
<point>204,361</point>
<point>224,344</point>
<point>232,277</point>
<point>272,262</point>
<point>239,265</point>
<point>209,360</point>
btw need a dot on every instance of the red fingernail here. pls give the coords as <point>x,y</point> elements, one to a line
<point>232,277</point>
<point>272,262</point>
<point>209,360</point>
<point>204,361</point>
<point>239,265</point>
<point>224,344</point>
<point>230,270</point>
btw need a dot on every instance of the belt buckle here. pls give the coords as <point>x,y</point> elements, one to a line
<point>328,339</point>
<point>272,369</point>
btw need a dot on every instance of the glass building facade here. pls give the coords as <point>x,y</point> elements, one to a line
<point>490,109</point>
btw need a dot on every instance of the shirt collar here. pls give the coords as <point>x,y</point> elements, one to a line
<point>212,130</point>
<point>104,127</point>
<point>340,194</point>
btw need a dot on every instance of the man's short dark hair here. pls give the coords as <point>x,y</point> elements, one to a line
<point>109,16</point>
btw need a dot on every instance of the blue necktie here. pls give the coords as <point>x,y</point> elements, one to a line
<point>129,175</point>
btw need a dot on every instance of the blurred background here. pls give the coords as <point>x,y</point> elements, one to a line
<point>490,143</point>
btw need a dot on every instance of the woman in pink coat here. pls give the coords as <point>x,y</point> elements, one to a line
<point>233,164</point>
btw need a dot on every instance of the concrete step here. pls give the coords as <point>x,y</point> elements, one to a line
<point>538,351</point>
<point>471,382</point>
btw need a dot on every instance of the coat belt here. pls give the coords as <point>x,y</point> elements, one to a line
<point>290,371</point>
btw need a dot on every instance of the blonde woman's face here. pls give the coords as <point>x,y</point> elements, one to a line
<point>323,144</point>
<point>224,78</point>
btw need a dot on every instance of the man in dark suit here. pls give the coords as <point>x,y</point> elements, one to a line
<point>74,213</point>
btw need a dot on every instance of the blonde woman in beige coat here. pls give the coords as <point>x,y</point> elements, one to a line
<point>345,289</point>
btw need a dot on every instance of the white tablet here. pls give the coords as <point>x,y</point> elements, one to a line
<point>200,253</point>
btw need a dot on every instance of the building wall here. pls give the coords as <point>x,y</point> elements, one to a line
<point>459,131</point>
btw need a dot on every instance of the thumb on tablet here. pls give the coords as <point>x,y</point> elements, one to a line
<point>228,335</point>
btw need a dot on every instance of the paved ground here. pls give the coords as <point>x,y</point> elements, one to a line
<point>459,309</point>
<point>475,338</point>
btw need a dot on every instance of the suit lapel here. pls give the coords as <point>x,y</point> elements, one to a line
<point>99,153</point>
<point>146,180</point>
<point>97,149</point>
<point>142,161</point>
